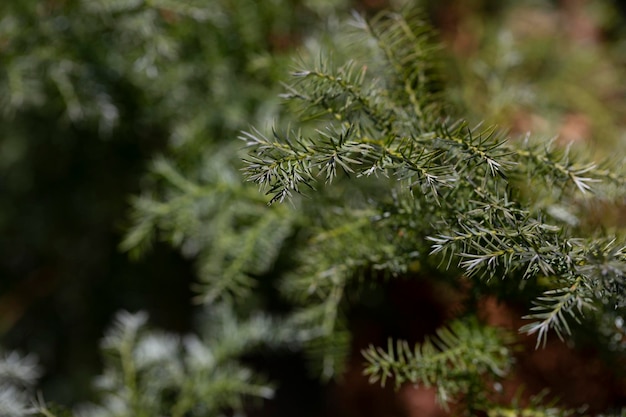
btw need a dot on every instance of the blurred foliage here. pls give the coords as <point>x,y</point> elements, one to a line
<point>549,68</point>
<point>90,92</point>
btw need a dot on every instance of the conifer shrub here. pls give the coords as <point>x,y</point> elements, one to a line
<point>371,178</point>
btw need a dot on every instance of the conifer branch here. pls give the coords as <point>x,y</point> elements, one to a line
<point>241,239</point>
<point>456,358</point>
<point>407,46</point>
<point>481,225</point>
<point>154,373</point>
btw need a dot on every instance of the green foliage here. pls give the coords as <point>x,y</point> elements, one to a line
<point>384,180</point>
<point>155,373</point>
<point>89,92</point>
<point>536,408</point>
<point>531,73</point>
<point>219,222</point>
<point>458,194</point>
<point>404,185</point>
<point>149,373</point>
<point>458,361</point>
<point>468,184</point>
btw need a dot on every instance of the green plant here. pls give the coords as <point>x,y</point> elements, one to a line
<point>91,93</point>
<point>149,372</point>
<point>455,198</point>
<point>380,180</point>
<point>410,192</point>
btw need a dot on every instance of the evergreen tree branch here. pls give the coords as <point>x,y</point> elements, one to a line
<point>455,359</point>
<point>482,223</point>
<point>406,44</point>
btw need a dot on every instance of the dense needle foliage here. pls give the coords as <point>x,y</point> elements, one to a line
<point>451,196</point>
<point>370,176</point>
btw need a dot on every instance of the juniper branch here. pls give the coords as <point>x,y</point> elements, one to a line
<point>457,357</point>
<point>483,223</point>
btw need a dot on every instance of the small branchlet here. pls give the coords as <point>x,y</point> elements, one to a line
<point>458,358</point>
